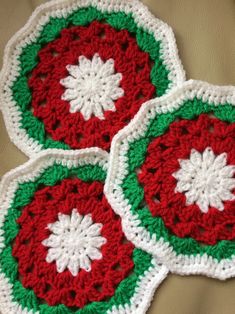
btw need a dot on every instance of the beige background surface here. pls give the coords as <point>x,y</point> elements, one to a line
<point>205,33</point>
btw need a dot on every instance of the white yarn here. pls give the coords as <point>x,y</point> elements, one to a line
<point>147,283</point>
<point>118,168</point>
<point>75,242</point>
<point>206,179</point>
<point>62,8</point>
<point>92,87</point>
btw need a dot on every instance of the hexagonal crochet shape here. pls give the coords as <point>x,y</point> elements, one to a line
<point>62,248</point>
<point>171,179</point>
<point>80,70</point>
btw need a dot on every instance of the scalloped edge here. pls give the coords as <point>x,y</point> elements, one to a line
<point>145,289</point>
<point>30,31</point>
<point>180,264</point>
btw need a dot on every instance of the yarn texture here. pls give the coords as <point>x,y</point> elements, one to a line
<point>171,178</point>
<point>79,71</point>
<point>90,85</point>
<point>85,231</point>
<point>62,247</point>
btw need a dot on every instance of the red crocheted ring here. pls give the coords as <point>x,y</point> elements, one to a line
<point>62,247</point>
<point>172,179</point>
<point>47,233</point>
<point>80,71</point>
<point>89,83</point>
<point>163,177</point>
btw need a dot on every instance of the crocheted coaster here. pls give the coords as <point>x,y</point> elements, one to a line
<point>62,248</point>
<point>79,71</point>
<point>172,179</point>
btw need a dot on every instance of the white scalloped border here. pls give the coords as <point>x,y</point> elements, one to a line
<point>139,303</point>
<point>151,279</point>
<point>62,8</point>
<point>117,171</point>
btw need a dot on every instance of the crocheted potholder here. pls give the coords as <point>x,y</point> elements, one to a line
<point>79,71</point>
<point>62,248</point>
<point>172,179</point>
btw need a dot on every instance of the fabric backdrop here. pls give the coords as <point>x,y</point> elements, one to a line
<point>205,34</point>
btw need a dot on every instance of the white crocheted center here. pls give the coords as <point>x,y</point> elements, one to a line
<point>74,242</point>
<point>206,179</point>
<point>92,86</point>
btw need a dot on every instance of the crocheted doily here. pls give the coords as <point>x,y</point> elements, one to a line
<point>79,71</point>
<point>172,179</point>
<point>62,248</point>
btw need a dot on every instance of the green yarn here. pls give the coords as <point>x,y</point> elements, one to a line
<point>158,72</point>
<point>125,290</point>
<point>29,59</point>
<point>54,174</point>
<point>21,93</point>
<point>137,152</point>
<point>134,192</point>
<point>85,16</point>
<point>51,31</point>
<point>120,20</point>
<point>9,266</point>
<point>26,297</point>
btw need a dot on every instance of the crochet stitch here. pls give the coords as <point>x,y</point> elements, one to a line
<point>92,86</point>
<point>171,178</point>
<point>205,179</point>
<point>80,70</point>
<point>74,242</point>
<point>62,248</point>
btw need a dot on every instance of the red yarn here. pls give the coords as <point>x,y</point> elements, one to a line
<point>62,288</point>
<point>159,184</point>
<point>130,61</point>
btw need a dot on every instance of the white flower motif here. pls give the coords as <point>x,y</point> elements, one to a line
<point>206,179</point>
<point>92,86</point>
<point>75,241</point>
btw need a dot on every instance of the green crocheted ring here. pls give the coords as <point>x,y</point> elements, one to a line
<point>44,184</point>
<point>31,128</point>
<point>171,179</point>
